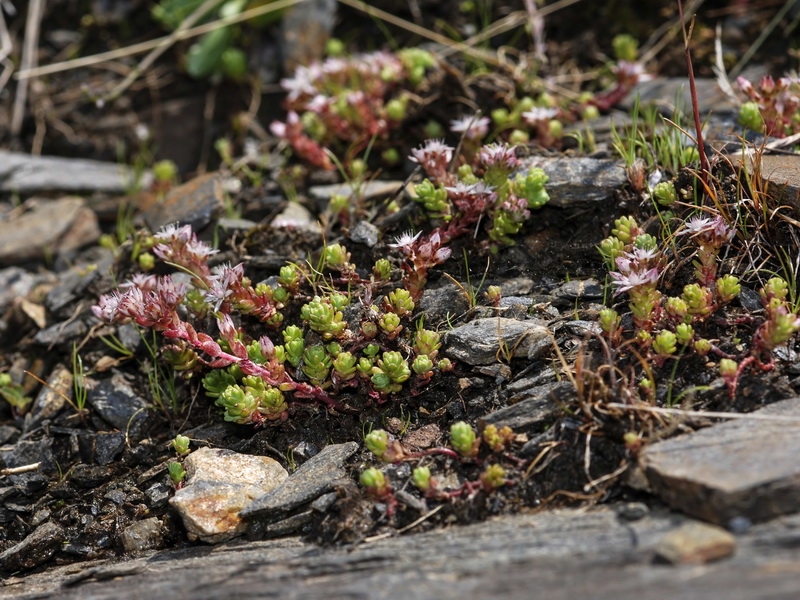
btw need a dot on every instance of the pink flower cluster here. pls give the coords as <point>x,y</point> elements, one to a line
<point>778,102</point>
<point>344,99</point>
<point>636,270</point>
<point>179,245</point>
<point>422,254</point>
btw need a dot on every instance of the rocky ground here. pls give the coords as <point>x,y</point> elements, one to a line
<point>88,507</point>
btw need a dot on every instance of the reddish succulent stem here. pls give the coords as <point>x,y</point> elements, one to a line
<point>698,125</point>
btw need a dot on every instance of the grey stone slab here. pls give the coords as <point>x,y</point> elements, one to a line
<point>26,174</point>
<point>530,413</point>
<point>49,227</point>
<point>315,477</point>
<point>579,181</point>
<point>738,469</point>
<point>488,340</point>
<point>194,203</point>
<point>560,555</point>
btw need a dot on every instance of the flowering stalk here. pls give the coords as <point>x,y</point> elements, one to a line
<point>157,310</point>
<point>638,273</point>
<point>710,235</point>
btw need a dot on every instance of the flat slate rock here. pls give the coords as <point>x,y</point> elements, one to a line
<point>27,174</point>
<point>559,555</point>
<point>743,469</point>
<point>485,341</point>
<point>531,412</point>
<point>194,203</point>
<point>317,476</point>
<point>119,405</point>
<point>34,550</point>
<point>579,181</point>
<point>50,227</point>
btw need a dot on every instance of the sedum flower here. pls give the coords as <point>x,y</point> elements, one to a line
<point>427,343</point>
<point>382,270</point>
<point>390,372</point>
<point>684,333</point>
<point>530,186</point>
<point>473,128</point>
<point>323,318</point>
<point>498,440</point>
<point>728,288</point>
<point>625,229</point>
<point>432,197</point>
<point>665,343</point>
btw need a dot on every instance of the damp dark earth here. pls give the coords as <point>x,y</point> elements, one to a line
<point>407,299</point>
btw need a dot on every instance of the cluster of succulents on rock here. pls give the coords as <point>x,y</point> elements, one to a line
<point>465,446</point>
<point>377,348</point>
<point>349,100</point>
<point>488,189</point>
<point>668,327</point>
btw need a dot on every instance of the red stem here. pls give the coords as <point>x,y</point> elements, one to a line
<point>698,125</point>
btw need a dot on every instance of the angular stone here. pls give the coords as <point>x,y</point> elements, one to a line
<point>296,216</point>
<point>531,413</point>
<point>439,304</point>
<point>143,536</point>
<point>365,233</point>
<point>579,181</point>
<point>484,341</point>
<point>26,453</point>
<point>695,543</point>
<point>51,399</point>
<point>220,483</point>
<point>15,283</point>
<point>26,174</point>
<point>579,288</point>
<point>315,477</point>
<point>743,468</point>
<point>72,284</point>
<point>63,333</point>
<point>194,203</point>
<point>34,550</point>
<point>224,466</point>
<point>50,227</point>
<point>116,402</point>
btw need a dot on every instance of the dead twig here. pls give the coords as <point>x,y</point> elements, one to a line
<point>29,57</point>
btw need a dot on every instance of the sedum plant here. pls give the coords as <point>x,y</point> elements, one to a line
<point>252,380</point>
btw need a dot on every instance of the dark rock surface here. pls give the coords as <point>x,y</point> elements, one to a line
<point>194,203</point>
<point>746,468</point>
<point>579,181</point>
<point>314,478</point>
<point>563,554</point>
